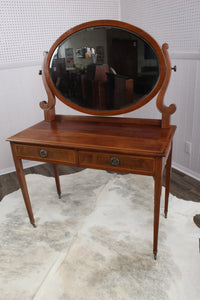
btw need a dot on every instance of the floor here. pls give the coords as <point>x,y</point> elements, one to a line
<point>182,186</point>
<point>88,248</point>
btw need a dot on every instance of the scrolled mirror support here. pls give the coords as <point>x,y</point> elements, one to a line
<point>166,111</point>
<point>48,107</point>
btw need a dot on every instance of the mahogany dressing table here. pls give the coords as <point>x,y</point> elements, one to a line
<point>103,68</point>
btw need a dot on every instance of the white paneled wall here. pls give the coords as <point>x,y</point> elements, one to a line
<point>20,93</point>
<point>176,22</point>
<point>185,87</point>
<point>27,29</point>
<point>195,157</point>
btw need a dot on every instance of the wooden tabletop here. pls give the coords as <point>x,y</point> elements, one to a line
<point>122,135</point>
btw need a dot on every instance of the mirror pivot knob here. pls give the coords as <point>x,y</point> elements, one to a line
<point>174,68</point>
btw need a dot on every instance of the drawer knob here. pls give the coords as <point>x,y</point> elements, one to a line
<point>114,161</point>
<point>43,153</point>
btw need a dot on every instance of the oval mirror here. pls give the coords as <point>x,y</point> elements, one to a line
<point>103,69</point>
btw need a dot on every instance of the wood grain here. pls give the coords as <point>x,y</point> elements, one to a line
<point>107,134</point>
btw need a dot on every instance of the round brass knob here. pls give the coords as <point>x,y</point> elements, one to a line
<point>43,153</point>
<point>114,161</point>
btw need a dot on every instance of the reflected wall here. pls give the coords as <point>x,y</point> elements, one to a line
<point>104,68</point>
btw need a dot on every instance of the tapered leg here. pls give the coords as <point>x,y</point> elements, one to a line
<point>23,185</point>
<point>167,181</point>
<point>57,180</point>
<point>157,195</point>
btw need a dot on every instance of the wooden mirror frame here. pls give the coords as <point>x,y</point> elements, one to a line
<point>160,87</point>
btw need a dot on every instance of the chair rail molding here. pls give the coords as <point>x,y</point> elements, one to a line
<point>185,55</point>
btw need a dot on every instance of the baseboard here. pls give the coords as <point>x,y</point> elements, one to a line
<point>186,171</point>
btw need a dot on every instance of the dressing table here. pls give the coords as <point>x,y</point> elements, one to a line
<point>103,68</point>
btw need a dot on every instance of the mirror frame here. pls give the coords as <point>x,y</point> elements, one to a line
<point>118,24</point>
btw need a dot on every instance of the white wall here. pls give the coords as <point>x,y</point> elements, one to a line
<point>27,29</point>
<point>20,93</point>
<point>176,22</point>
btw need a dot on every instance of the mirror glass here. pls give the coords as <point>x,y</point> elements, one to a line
<point>104,68</point>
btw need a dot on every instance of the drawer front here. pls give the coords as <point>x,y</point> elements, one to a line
<point>117,162</point>
<point>48,154</point>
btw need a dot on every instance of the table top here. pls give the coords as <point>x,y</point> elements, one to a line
<point>121,135</point>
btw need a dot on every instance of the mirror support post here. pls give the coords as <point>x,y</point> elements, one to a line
<point>166,111</point>
<point>48,107</point>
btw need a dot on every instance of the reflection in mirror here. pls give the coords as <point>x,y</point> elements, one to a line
<point>104,68</point>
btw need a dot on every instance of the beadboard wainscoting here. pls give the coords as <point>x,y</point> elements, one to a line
<point>185,91</point>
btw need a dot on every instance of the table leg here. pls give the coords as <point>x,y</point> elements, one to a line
<point>157,195</point>
<point>56,175</point>
<point>167,181</point>
<point>23,185</point>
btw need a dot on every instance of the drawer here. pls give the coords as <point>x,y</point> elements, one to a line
<point>117,162</point>
<point>43,153</point>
